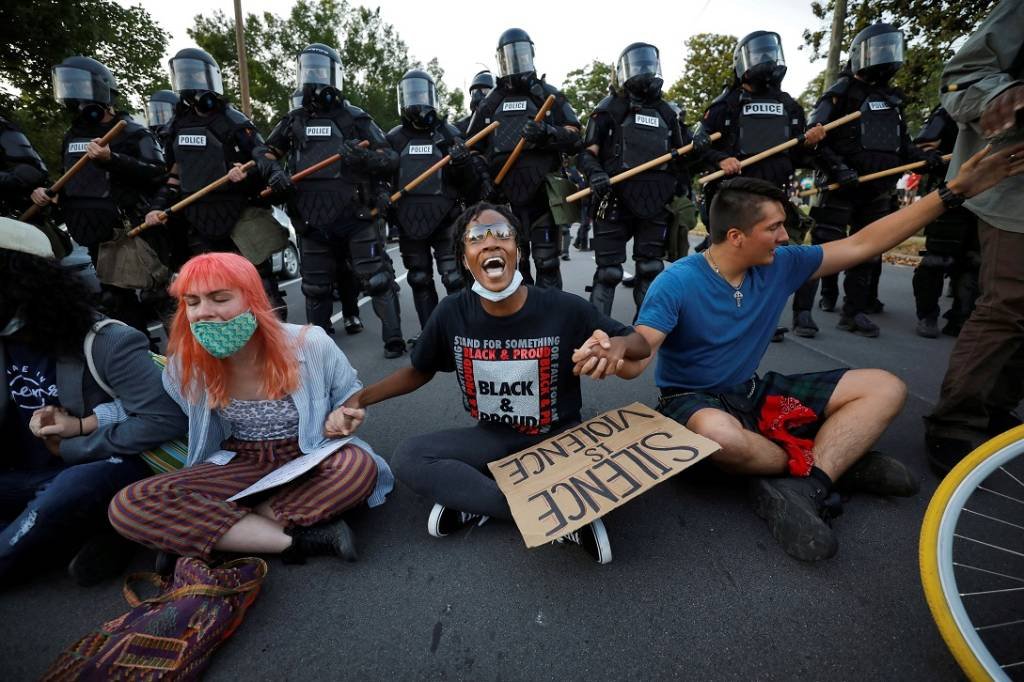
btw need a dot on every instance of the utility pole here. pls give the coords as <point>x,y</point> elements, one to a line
<point>243,66</point>
<point>835,46</point>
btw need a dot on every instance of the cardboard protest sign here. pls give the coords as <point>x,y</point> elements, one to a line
<point>568,480</point>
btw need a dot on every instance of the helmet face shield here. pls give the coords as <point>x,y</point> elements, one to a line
<point>416,92</point>
<point>879,50</point>
<point>760,50</point>
<point>318,69</point>
<point>158,113</point>
<point>640,61</point>
<point>195,75</point>
<point>515,58</point>
<point>71,84</point>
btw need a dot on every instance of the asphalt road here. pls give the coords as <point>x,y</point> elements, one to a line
<point>698,589</point>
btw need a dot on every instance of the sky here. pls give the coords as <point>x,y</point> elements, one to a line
<point>463,34</point>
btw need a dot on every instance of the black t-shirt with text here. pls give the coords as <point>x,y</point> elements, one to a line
<point>31,385</point>
<point>514,370</point>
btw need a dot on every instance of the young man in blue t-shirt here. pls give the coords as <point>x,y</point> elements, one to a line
<point>710,316</point>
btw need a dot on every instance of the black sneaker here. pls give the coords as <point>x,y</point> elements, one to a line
<point>444,521</point>
<point>329,538</point>
<point>565,256</point>
<point>353,325</point>
<point>165,563</point>
<point>928,328</point>
<point>827,304</point>
<point>876,307</point>
<point>796,512</point>
<point>779,335</point>
<point>803,324</point>
<point>592,537</point>
<point>879,474</point>
<point>859,324</point>
<point>102,557</point>
<point>395,348</point>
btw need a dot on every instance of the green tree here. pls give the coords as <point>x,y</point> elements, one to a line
<point>707,71</point>
<point>373,56</point>
<point>586,86</point>
<point>126,39</point>
<point>809,97</point>
<point>931,30</point>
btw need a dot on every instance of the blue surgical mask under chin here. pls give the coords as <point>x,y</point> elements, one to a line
<point>496,296</point>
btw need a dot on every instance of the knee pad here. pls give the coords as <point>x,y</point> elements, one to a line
<point>608,274</point>
<point>420,279</point>
<point>823,233</point>
<point>933,260</point>
<point>452,280</point>
<point>649,269</point>
<point>378,283</point>
<point>317,291</point>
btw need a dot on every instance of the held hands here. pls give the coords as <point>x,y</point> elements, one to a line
<point>97,152</point>
<point>52,424</point>
<point>236,174</point>
<point>731,166</point>
<point>814,135</point>
<point>987,169</point>
<point>344,421</point>
<point>599,357</point>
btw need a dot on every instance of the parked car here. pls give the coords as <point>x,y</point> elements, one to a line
<point>285,263</point>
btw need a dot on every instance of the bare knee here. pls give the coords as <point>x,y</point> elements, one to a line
<point>725,430</point>
<point>883,390</point>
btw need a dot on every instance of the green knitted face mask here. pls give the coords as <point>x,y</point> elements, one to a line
<point>222,339</point>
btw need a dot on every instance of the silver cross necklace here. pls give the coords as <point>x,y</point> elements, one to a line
<point>736,293</point>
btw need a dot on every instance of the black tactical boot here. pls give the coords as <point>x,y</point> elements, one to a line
<point>329,538</point>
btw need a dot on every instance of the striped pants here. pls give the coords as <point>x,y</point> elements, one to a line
<point>186,512</point>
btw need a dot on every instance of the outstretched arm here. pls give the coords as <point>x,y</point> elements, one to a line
<point>601,356</point>
<point>981,172</point>
<point>346,419</point>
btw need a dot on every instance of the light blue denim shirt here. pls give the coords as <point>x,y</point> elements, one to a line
<point>326,380</point>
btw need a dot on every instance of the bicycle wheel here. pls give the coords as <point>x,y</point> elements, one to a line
<point>972,559</point>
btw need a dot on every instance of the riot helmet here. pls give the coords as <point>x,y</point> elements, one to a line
<point>483,83</point>
<point>876,53</point>
<point>160,108</point>
<point>638,71</point>
<point>195,76</point>
<point>85,86</point>
<point>417,98</point>
<point>319,75</point>
<point>758,59</point>
<point>515,53</point>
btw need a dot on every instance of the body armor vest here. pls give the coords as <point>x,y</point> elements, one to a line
<point>425,207</point>
<point>525,180</point>
<point>91,213</point>
<point>331,195</point>
<point>642,135</point>
<point>763,122</point>
<point>880,125</point>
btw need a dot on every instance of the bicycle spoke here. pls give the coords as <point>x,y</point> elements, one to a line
<point>1012,665</point>
<point>999,625</point>
<point>1005,589</point>
<point>1019,482</point>
<point>985,570</point>
<point>992,518</point>
<point>1009,497</point>
<point>987,544</point>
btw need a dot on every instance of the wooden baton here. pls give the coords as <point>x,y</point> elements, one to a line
<point>194,196</point>
<point>320,165</point>
<point>63,180</point>
<point>647,165</point>
<point>872,176</point>
<point>548,103</point>
<point>779,148</point>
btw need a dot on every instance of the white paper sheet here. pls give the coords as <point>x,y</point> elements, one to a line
<point>293,469</point>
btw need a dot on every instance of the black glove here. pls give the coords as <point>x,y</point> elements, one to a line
<point>382,202</point>
<point>538,134</point>
<point>701,140</point>
<point>280,183</point>
<point>600,183</point>
<point>352,154</point>
<point>459,152</point>
<point>935,164</point>
<point>844,175</point>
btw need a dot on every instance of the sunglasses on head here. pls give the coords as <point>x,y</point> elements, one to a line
<point>477,233</point>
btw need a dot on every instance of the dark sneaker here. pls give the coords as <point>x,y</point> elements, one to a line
<point>928,328</point>
<point>876,307</point>
<point>102,557</point>
<point>952,328</point>
<point>879,474</point>
<point>444,521</point>
<point>827,304</point>
<point>565,256</point>
<point>165,563</point>
<point>592,537</point>
<point>946,453</point>
<point>353,325</point>
<point>803,324</point>
<point>780,334</point>
<point>629,282</point>
<point>329,538</point>
<point>394,348</point>
<point>796,512</point>
<point>859,324</point>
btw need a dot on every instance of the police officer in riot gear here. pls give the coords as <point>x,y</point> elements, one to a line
<point>483,83</point>
<point>112,191</point>
<point>425,214</point>
<point>627,129</point>
<point>206,139</point>
<point>513,103</point>
<point>21,169</point>
<point>876,141</point>
<point>951,245</point>
<point>753,115</point>
<point>331,208</point>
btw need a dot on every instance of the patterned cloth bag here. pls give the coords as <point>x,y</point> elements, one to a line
<point>171,636</point>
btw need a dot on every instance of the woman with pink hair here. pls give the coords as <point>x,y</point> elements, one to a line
<point>258,394</point>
